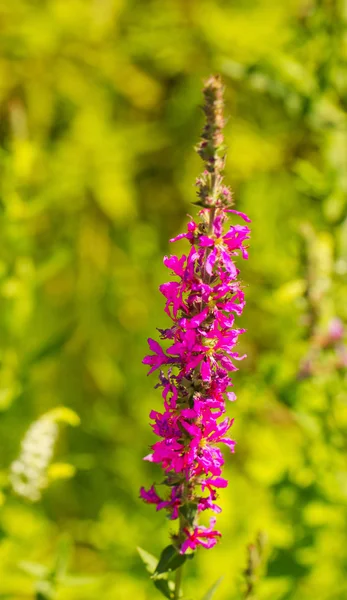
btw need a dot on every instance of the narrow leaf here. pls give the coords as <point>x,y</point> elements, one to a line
<point>211,592</point>
<point>165,587</point>
<point>169,560</point>
<point>63,556</point>
<point>148,559</point>
<point>53,345</point>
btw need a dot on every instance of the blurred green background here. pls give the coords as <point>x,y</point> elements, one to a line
<point>99,113</point>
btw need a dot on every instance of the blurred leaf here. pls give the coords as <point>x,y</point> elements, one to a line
<point>63,557</point>
<point>52,346</point>
<point>211,592</point>
<point>148,559</point>
<point>34,569</point>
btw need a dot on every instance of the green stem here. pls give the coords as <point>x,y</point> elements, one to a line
<point>179,571</point>
<point>178,582</point>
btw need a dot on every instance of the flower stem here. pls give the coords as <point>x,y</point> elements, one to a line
<point>179,571</point>
<point>178,582</point>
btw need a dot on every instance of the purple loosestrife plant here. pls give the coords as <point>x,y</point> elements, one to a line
<point>198,354</point>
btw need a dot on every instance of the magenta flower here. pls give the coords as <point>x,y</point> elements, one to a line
<point>199,351</point>
<point>157,359</point>
<point>151,496</point>
<point>205,536</point>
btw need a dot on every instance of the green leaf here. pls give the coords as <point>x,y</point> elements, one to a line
<point>159,578</point>
<point>211,592</point>
<point>148,559</point>
<point>165,587</point>
<point>169,560</point>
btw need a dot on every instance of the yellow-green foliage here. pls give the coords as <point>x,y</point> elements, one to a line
<point>99,107</point>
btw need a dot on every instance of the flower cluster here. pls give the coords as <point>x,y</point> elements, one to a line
<point>30,472</point>
<point>199,350</point>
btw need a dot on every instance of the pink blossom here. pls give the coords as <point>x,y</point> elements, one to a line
<point>196,357</point>
<point>150,496</point>
<point>156,360</point>
<point>174,502</point>
<point>203,536</point>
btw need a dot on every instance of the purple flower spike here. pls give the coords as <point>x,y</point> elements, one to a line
<point>203,302</point>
